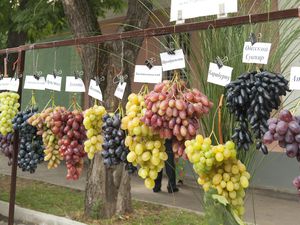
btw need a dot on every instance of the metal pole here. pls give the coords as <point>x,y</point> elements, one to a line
<point>13,182</point>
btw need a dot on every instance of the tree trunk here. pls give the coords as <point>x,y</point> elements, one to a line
<point>107,189</point>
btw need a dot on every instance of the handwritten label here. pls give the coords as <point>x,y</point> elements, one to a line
<point>74,85</point>
<point>9,84</point>
<point>53,83</point>
<point>172,62</point>
<point>119,93</point>
<point>143,74</point>
<point>196,8</point>
<point>257,53</point>
<point>295,78</point>
<point>95,91</point>
<point>34,84</point>
<point>220,76</point>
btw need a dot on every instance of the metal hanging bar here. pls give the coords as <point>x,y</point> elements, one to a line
<point>166,30</point>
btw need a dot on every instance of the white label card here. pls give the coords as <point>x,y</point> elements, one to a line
<point>295,78</point>
<point>220,76</point>
<point>257,53</point>
<point>53,83</point>
<point>95,91</point>
<point>172,62</point>
<point>74,85</point>
<point>143,74</point>
<point>9,84</point>
<point>34,84</point>
<point>119,93</point>
<point>186,9</point>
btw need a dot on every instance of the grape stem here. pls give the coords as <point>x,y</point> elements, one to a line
<point>220,119</point>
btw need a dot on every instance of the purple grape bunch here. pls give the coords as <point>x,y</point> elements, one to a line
<point>286,130</point>
<point>251,98</point>
<point>114,149</point>
<point>6,146</point>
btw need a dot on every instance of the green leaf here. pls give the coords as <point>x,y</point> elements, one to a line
<point>221,199</point>
<point>237,218</point>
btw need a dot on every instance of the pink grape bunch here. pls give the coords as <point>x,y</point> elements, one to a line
<point>173,110</point>
<point>286,130</point>
<point>296,183</point>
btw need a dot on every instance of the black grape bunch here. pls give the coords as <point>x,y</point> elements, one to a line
<point>251,98</point>
<point>114,149</point>
<point>31,150</point>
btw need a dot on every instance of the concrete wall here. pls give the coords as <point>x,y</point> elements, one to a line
<point>66,60</point>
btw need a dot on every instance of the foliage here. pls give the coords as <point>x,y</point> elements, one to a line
<point>41,18</point>
<point>100,7</point>
<point>217,210</point>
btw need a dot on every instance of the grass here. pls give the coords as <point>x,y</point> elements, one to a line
<point>69,203</point>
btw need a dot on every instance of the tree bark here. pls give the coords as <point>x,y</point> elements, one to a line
<point>107,189</point>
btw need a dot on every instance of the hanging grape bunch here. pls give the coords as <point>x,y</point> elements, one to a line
<point>6,146</point>
<point>42,121</point>
<point>286,130</point>
<point>68,127</point>
<point>8,107</point>
<point>218,168</point>
<point>251,98</point>
<point>31,151</point>
<point>296,183</point>
<point>174,110</point>
<point>93,125</point>
<point>114,149</point>
<point>146,149</point>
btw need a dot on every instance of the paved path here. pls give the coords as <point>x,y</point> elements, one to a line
<point>270,208</point>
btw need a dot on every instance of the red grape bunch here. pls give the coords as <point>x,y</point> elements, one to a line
<point>286,130</point>
<point>68,126</point>
<point>251,98</point>
<point>174,110</point>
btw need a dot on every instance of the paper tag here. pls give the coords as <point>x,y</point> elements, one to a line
<point>172,62</point>
<point>143,74</point>
<point>34,84</point>
<point>196,8</point>
<point>257,53</point>
<point>119,93</point>
<point>95,91</point>
<point>74,85</point>
<point>220,76</point>
<point>53,83</point>
<point>222,13</point>
<point>9,84</point>
<point>295,78</point>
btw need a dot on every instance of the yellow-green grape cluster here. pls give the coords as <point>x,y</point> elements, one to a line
<point>146,149</point>
<point>93,124</point>
<point>42,121</point>
<point>9,108</point>
<point>218,168</point>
